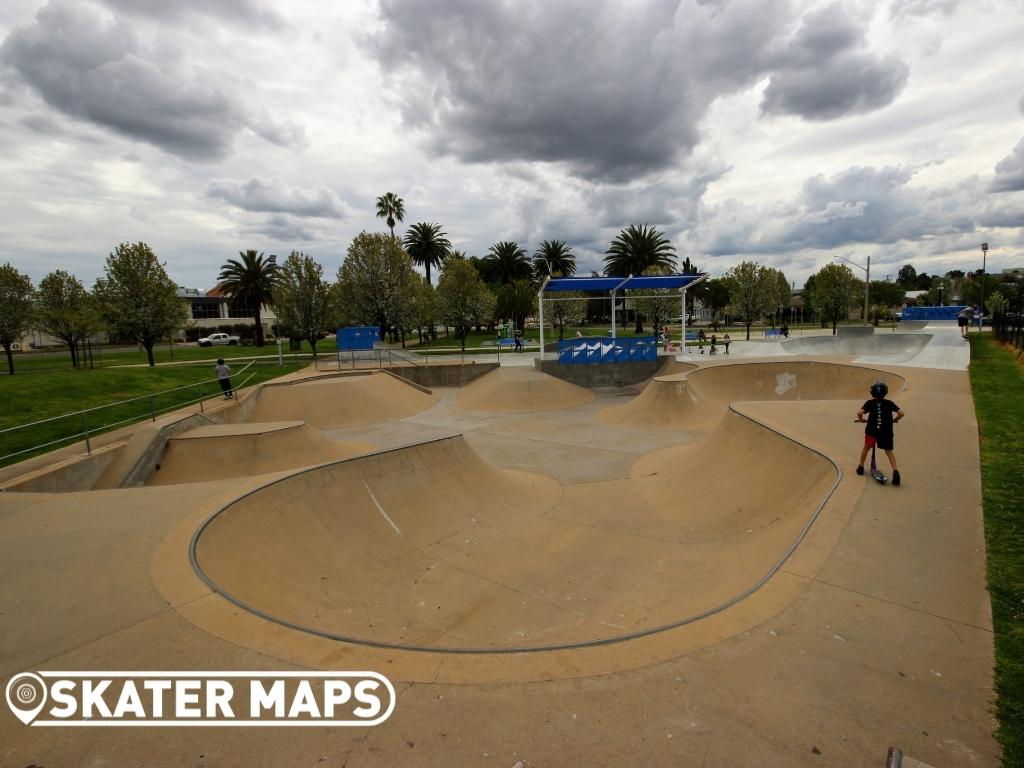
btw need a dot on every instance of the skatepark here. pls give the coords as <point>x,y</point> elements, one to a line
<point>684,571</point>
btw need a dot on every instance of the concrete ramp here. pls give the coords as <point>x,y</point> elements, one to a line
<point>521,390</point>
<point>896,347</point>
<point>341,401</point>
<point>429,547</point>
<point>235,450</point>
<point>688,400</point>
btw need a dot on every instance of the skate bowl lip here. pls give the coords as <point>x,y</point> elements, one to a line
<point>780,362</point>
<point>637,634</point>
<point>837,345</point>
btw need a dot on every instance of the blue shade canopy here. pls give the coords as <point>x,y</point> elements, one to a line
<point>606,284</point>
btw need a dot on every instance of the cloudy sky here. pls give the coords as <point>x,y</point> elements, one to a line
<point>793,133</point>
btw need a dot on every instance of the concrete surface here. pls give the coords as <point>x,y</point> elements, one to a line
<point>830,617</point>
<point>520,389</point>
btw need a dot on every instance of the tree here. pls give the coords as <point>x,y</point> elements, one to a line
<point>515,301</point>
<point>940,292</point>
<point>637,249</point>
<point>554,258</point>
<point>137,297</point>
<point>783,295</point>
<point>886,294</point>
<point>659,305</point>
<point>973,288</point>
<point>834,292</point>
<point>376,283</point>
<point>427,245</point>
<point>752,292</point>
<point>302,298</point>
<point>922,282</point>
<point>565,312</point>
<point>907,277</point>
<point>391,207</point>
<point>425,310</point>
<point>996,302</point>
<point>716,297</point>
<point>251,282</point>
<point>463,298</point>
<point>506,262</point>
<point>66,310</point>
<point>16,297</point>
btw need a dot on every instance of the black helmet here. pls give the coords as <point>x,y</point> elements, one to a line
<point>220,361</point>
<point>879,389</point>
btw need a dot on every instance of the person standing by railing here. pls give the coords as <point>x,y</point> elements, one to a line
<point>223,371</point>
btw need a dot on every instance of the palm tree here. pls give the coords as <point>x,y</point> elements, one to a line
<point>391,207</point>
<point>636,249</point>
<point>250,281</point>
<point>506,262</point>
<point>554,258</point>
<point>516,300</point>
<point>427,245</point>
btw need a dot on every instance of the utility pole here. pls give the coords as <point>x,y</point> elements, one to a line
<point>981,309</point>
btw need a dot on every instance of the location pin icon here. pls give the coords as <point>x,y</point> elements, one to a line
<point>26,695</point>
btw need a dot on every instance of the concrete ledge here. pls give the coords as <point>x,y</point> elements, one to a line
<point>855,330</point>
<point>603,374</point>
<point>431,376</point>
<point>75,473</point>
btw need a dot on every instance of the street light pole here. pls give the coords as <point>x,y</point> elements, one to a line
<point>981,309</point>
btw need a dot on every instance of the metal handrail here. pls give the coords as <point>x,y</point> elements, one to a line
<point>119,402</point>
<point>153,412</point>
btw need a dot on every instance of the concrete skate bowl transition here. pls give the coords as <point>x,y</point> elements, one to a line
<point>521,390</point>
<point>340,401</point>
<point>280,429</point>
<point>237,450</point>
<point>699,398</point>
<point>430,548</point>
<point>899,347</point>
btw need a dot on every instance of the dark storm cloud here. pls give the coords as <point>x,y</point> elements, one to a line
<point>243,12</point>
<point>1010,171</point>
<point>613,90</point>
<point>825,73</point>
<point>92,67</point>
<point>274,196</point>
<point>857,206</point>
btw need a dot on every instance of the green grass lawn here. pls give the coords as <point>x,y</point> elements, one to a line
<point>30,362</point>
<point>997,380</point>
<point>35,396</point>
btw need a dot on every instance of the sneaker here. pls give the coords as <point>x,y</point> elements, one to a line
<point>860,470</point>
<point>895,477</point>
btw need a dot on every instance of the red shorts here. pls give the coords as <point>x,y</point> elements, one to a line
<point>884,442</point>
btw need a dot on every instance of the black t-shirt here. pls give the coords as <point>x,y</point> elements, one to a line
<point>879,415</point>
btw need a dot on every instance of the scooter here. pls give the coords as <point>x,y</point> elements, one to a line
<point>876,473</point>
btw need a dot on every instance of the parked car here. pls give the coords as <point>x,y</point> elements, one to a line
<point>218,338</point>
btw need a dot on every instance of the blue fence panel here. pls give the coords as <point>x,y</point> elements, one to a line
<point>932,313</point>
<point>594,350</point>
<point>361,337</point>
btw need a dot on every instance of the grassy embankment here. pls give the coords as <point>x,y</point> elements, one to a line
<point>31,397</point>
<point>997,380</point>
